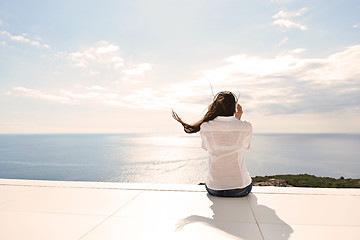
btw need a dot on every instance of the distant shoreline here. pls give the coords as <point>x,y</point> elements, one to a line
<point>304,180</point>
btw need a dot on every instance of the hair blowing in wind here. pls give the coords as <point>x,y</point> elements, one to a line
<point>223,105</point>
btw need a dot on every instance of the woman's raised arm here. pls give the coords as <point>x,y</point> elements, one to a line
<point>238,112</point>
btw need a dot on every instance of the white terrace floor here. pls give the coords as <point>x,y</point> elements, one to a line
<point>86,210</point>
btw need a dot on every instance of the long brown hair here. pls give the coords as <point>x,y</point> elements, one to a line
<point>223,105</point>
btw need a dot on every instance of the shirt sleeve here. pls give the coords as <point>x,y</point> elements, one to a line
<point>203,144</point>
<point>248,138</point>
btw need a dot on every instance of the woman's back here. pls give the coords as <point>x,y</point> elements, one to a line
<point>226,139</point>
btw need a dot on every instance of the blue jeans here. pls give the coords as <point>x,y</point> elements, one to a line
<point>238,192</point>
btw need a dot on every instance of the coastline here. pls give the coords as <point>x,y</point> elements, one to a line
<point>305,180</point>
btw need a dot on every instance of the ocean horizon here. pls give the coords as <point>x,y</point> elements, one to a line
<point>168,157</point>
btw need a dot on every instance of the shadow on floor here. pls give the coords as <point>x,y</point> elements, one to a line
<point>227,218</point>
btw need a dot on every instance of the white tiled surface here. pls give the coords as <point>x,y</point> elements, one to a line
<point>32,225</point>
<point>306,209</point>
<point>9,193</point>
<point>72,200</point>
<point>136,228</point>
<point>84,210</point>
<point>154,205</point>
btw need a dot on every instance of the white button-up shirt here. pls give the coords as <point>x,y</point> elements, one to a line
<point>226,139</point>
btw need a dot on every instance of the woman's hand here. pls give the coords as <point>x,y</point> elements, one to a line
<point>238,112</point>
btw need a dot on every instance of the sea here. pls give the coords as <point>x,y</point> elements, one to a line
<point>169,157</point>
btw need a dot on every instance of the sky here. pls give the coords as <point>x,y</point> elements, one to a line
<point>86,66</point>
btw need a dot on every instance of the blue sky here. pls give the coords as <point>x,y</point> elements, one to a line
<point>121,66</point>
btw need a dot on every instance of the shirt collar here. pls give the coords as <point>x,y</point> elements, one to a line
<point>225,119</point>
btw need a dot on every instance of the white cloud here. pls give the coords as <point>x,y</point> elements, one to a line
<point>289,24</point>
<point>297,51</point>
<point>149,99</point>
<point>19,38</point>
<point>283,84</point>
<point>283,19</point>
<point>356,25</point>
<point>33,93</point>
<point>286,14</point>
<point>102,53</point>
<point>138,69</point>
<point>118,62</point>
<point>104,57</point>
<point>96,87</point>
<point>94,94</point>
<point>38,38</point>
<point>79,59</point>
<point>93,73</point>
<point>338,70</point>
<point>281,1</point>
<point>106,48</point>
<point>282,42</point>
